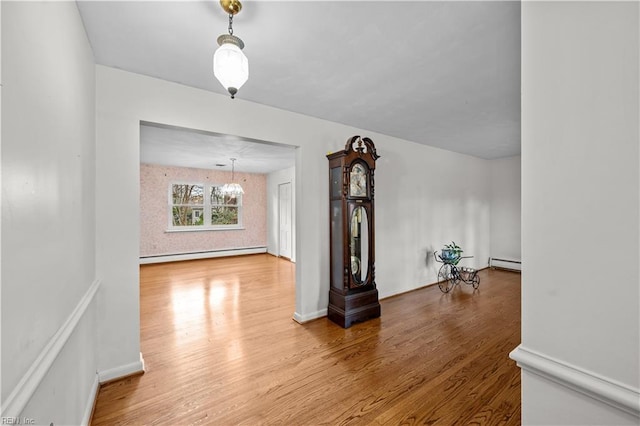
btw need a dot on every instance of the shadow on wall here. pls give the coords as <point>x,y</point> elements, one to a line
<point>429,260</point>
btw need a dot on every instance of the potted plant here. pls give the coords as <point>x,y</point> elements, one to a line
<point>451,253</point>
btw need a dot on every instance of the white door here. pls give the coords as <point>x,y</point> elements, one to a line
<point>284,213</point>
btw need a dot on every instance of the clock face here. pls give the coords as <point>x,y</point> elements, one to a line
<point>358,181</point>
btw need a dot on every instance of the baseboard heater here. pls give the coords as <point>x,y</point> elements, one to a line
<point>200,255</point>
<point>511,265</point>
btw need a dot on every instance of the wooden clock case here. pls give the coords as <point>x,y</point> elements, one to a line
<point>353,296</point>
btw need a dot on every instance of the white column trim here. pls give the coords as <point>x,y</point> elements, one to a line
<point>122,371</point>
<point>604,389</point>
<point>26,387</point>
<point>301,319</point>
<point>91,399</point>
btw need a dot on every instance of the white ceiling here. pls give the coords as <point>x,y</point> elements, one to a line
<point>173,146</point>
<point>445,74</point>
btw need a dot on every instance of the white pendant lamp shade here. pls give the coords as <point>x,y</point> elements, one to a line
<point>231,67</point>
<point>232,189</point>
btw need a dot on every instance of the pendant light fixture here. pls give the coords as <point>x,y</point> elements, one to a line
<point>232,189</point>
<point>230,65</point>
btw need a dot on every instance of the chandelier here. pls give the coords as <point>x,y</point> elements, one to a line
<point>232,189</point>
<point>230,65</point>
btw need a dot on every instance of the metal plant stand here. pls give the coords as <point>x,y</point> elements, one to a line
<point>451,274</point>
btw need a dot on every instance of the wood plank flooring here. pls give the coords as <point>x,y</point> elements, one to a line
<point>220,348</point>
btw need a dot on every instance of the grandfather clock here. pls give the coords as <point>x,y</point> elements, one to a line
<point>353,296</point>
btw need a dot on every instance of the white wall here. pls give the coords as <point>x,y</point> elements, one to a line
<point>420,204</point>
<point>425,198</point>
<point>48,214</point>
<point>505,208</point>
<point>580,213</point>
<point>2,403</point>
<point>273,227</point>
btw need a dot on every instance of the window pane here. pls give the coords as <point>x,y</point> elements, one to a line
<point>216,195</point>
<point>188,194</point>
<point>224,215</point>
<point>188,216</point>
<point>217,198</point>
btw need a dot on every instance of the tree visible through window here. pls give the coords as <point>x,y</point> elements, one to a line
<point>191,209</point>
<point>188,205</point>
<point>224,208</point>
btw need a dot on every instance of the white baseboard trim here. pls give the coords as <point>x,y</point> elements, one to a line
<point>200,255</point>
<point>22,393</point>
<point>510,264</point>
<point>91,399</point>
<point>611,392</point>
<point>121,371</point>
<point>301,319</point>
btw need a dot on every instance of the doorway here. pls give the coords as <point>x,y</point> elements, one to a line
<point>173,156</point>
<point>284,220</point>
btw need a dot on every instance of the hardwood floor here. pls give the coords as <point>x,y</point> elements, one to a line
<point>220,348</point>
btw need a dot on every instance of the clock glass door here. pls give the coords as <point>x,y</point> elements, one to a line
<point>359,245</point>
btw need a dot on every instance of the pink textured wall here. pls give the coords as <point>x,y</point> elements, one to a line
<point>154,190</point>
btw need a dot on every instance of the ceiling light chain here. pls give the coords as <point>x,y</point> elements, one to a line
<point>231,24</point>
<point>233,169</point>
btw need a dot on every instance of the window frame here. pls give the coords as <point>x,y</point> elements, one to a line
<point>206,208</point>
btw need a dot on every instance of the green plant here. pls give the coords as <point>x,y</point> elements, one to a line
<point>453,247</point>
<point>450,253</point>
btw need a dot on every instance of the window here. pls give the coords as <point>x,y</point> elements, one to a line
<point>187,205</point>
<point>224,208</point>
<point>190,209</point>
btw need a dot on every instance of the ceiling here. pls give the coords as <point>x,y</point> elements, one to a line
<point>439,73</point>
<point>174,146</point>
